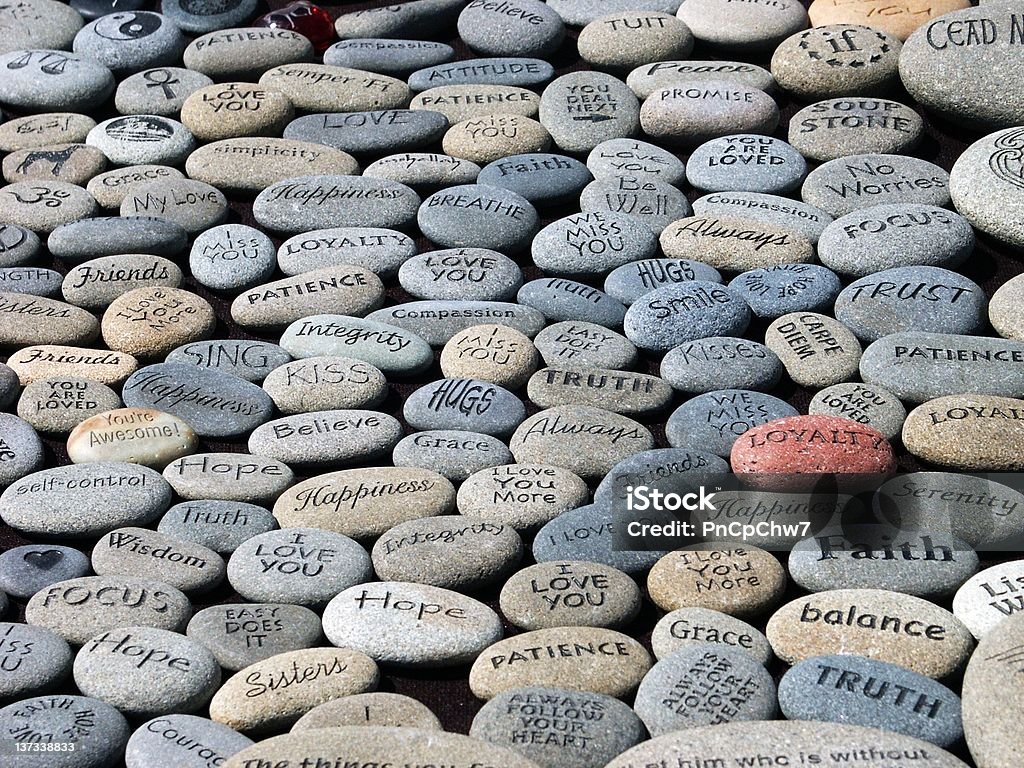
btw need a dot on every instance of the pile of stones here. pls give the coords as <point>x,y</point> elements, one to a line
<point>336,350</point>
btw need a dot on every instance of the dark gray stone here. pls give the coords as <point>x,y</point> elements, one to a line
<point>516,28</point>
<point>240,634</point>
<point>437,321</point>
<point>561,300</point>
<point>202,16</point>
<point>781,211</point>
<point>377,132</point>
<point>586,533</point>
<point>859,181</point>
<point>924,563</point>
<point>540,177</point>
<point>455,454</point>
<point>778,290</point>
<point>388,56</point>
<point>249,360</point>
<point>20,448</point>
<point>9,385</point>
<point>631,281</point>
<point>704,685</point>
<point>922,366</point>
<point>584,730</point>
<point>583,109</point>
<point>493,71</point>
<point>213,403</point>
<point>298,566</point>
<point>873,694</point>
<point>17,245</point>
<point>475,215</point>
<point>305,203</point>
<point>111,236</point>
<point>216,524</point>
<point>895,235</point>
<point>468,405</point>
<point>592,243</point>
<point>675,314</point>
<point>34,660</point>
<point>232,257</point>
<point>713,421</point>
<point>721,362</point>
<point>27,569</point>
<point>468,274</point>
<point>746,163</point>
<point>98,731</point>
<point>667,468</point>
<point>184,741</point>
<point>929,299</point>
<point>984,513</point>
<point>43,80</point>
<point>31,280</point>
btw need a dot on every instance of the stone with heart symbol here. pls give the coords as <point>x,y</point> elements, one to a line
<point>27,569</point>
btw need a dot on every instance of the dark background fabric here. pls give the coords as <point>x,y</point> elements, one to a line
<point>446,691</point>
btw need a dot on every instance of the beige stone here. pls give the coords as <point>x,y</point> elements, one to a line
<point>735,579</point>
<point>323,88</point>
<point>981,433</point>
<point>897,17</point>
<point>816,350</point>
<point>391,710</point>
<point>462,102</point>
<point>73,163</point>
<point>46,361</point>
<point>487,138</point>
<point>494,353</point>
<point>876,623</point>
<point>134,435</point>
<point>272,694</point>
<point>150,322</point>
<point>44,129</point>
<point>227,110</point>
<point>734,243</point>
<point>251,164</point>
<point>578,658</point>
<point>31,320</point>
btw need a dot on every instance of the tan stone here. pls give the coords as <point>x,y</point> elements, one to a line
<point>494,353</point>
<point>734,243</point>
<point>73,163</point>
<point>980,433</point>
<point>876,623</point>
<point>135,435</point>
<point>578,658</point>
<point>1006,309</point>
<point>816,350</point>
<point>272,694</point>
<point>897,17</point>
<point>251,164</point>
<point>150,322</point>
<point>487,138</point>
<point>323,88</point>
<point>735,579</point>
<point>462,102</point>
<point>391,495</point>
<point>47,361</point>
<point>226,110</point>
<point>44,129</point>
<point>29,320</point>
<point>111,188</point>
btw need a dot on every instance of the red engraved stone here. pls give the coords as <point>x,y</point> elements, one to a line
<point>303,17</point>
<point>811,446</point>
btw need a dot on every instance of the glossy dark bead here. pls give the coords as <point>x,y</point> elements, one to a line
<point>305,18</point>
